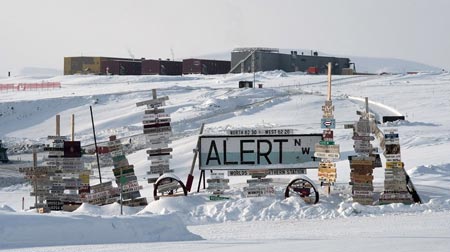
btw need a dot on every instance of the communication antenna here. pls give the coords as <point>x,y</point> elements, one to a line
<point>173,54</point>
<point>130,53</point>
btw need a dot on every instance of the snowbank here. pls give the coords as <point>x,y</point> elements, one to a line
<point>32,230</point>
<point>198,210</point>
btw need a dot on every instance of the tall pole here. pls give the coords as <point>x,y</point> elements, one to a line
<point>254,68</point>
<point>367,106</point>
<point>73,127</point>
<point>58,125</point>
<point>35,177</point>
<point>329,82</point>
<point>95,143</point>
<point>121,190</point>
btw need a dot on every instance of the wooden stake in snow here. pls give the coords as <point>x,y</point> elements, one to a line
<point>73,127</point>
<point>58,125</point>
<point>329,82</point>
<point>96,148</point>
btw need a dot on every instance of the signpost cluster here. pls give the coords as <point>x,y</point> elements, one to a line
<point>124,174</point>
<point>395,182</point>
<point>63,182</point>
<point>157,130</point>
<point>259,185</point>
<point>366,159</point>
<point>217,184</point>
<point>326,149</point>
<point>3,154</point>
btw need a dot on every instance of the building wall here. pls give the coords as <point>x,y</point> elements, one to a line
<point>82,65</point>
<point>86,64</point>
<point>121,67</point>
<point>150,67</point>
<point>192,66</point>
<point>162,67</point>
<point>268,61</point>
<point>201,66</point>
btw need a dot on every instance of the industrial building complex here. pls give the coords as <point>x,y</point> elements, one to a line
<point>257,59</point>
<point>243,60</point>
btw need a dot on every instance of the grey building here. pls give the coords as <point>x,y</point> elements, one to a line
<point>245,60</point>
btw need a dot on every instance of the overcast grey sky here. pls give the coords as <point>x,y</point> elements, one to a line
<point>40,33</point>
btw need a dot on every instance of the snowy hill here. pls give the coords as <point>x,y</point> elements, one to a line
<point>288,101</point>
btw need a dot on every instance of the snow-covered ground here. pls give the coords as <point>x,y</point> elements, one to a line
<point>240,224</point>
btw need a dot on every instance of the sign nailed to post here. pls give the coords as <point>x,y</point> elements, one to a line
<point>225,152</point>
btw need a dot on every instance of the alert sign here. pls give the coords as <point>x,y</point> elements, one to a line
<point>232,152</point>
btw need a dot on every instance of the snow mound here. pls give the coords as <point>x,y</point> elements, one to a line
<point>107,210</point>
<point>6,208</point>
<point>32,230</point>
<point>441,170</point>
<point>198,210</point>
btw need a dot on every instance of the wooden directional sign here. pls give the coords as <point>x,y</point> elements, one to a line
<point>327,123</point>
<point>327,148</point>
<point>327,165</point>
<point>327,135</point>
<point>326,155</point>
<point>328,109</point>
<point>326,142</point>
<point>164,157</point>
<point>393,164</point>
<point>159,116</point>
<point>392,157</point>
<point>154,111</point>
<point>163,151</point>
<point>217,180</point>
<point>156,125</point>
<point>159,171</point>
<point>156,121</point>
<point>153,102</point>
<point>392,149</point>
<point>158,131</point>
<point>391,136</point>
<point>357,137</point>
<point>57,138</point>
<point>363,126</point>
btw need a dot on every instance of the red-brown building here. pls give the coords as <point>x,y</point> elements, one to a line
<point>203,66</point>
<point>121,67</point>
<point>162,67</point>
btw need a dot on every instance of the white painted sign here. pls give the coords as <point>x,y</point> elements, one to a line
<point>223,152</point>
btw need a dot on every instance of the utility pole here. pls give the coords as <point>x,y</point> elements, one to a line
<point>35,177</point>
<point>253,68</point>
<point>329,82</point>
<point>96,148</point>
<point>121,180</point>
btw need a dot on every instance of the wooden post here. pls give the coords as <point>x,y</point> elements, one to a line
<point>191,172</point>
<point>95,144</point>
<point>34,177</point>
<point>73,127</point>
<point>367,107</point>
<point>329,82</point>
<point>154,93</point>
<point>58,125</point>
